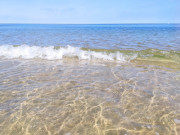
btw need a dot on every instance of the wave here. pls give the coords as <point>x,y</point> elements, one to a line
<point>59,53</point>
<point>55,53</point>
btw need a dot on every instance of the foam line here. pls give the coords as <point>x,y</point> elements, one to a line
<point>51,53</point>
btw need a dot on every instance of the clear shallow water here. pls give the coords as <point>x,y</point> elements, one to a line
<point>48,97</point>
<point>111,86</point>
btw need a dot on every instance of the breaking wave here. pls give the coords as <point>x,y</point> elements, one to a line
<point>60,53</point>
<point>56,53</point>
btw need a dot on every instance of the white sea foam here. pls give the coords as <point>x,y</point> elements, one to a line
<point>50,53</point>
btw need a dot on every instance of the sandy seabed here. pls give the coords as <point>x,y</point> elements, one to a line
<point>40,97</point>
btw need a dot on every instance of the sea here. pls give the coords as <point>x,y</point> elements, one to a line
<point>89,79</point>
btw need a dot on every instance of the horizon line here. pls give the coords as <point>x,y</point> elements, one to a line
<point>89,23</point>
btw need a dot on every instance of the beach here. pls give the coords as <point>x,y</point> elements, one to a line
<point>119,79</point>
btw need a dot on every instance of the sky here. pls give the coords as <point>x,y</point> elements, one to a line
<point>89,11</point>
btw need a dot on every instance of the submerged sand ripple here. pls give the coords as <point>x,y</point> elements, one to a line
<point>54,98</point>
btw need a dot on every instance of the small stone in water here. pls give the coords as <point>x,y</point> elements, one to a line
<point>177,121</point>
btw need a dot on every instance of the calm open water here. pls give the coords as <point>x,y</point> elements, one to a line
<point>120,36</point>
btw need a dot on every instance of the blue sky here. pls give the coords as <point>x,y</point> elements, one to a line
<point>89,11</point>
